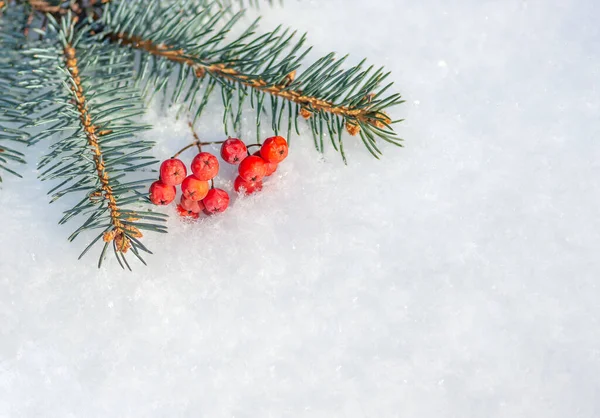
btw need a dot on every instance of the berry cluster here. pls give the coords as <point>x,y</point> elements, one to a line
<point>197,195</point>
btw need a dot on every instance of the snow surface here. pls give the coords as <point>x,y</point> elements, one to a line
<point>458,277</point>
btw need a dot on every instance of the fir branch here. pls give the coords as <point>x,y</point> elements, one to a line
<point>82,83</point>
<point>12,119</point>
<point>118,229</point>
<point>219,70</point>
<point>331,99</point>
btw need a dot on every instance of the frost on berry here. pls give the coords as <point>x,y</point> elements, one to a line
<point>172,172</point>
<point>233,151</point>
<point>247,187</point>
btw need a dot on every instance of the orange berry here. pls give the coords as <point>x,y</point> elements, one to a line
<point>194,189</point>
<point>274,149</point>
<point>186,213</point>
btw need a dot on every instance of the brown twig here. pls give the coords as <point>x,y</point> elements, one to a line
<point>194,144</point>
<point>43,6</point>
<point>195,135</point>
<point>28,24</point>
<point>119,230</point>
<point>187,147</point>
<point>307,103</point>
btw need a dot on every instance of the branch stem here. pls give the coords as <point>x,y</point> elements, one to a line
<point>195,135</point>
<point>308,103</point>
<point>118,231</point>
<point>43,6</point>
<point>193,144</point>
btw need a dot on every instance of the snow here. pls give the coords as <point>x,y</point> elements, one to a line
<point>457,277</point>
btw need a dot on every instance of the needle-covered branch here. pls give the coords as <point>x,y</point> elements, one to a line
<point>332,99</point>
<point>13,137</point>
<point>80,100</point>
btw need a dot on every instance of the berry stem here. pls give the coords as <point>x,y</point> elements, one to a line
<point>195,144</point>
<point>252,145</point>
<point>195,135</point>
<point>188,146</point>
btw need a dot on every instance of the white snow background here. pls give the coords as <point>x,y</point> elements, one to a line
<point>457,277</point>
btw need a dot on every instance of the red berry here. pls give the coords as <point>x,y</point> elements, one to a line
<point>216,201</point>
<point>161,194</point>
<point>274,149</point>
<point>191,205</point>
<point>172,172</point>
<point>253,168</point>
<point>271,167</point>
<point>247,187</point>
<point>186,213</point>
<point>233,151</point>
<point>205,166</point>
<point>194,189</point>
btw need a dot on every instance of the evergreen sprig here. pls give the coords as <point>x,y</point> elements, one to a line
<point>73,73</point>
<point>260,67</point>
<point>12,135</point>
<point>81,100</point>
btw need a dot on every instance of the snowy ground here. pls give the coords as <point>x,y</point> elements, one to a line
<point>456,278</point>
